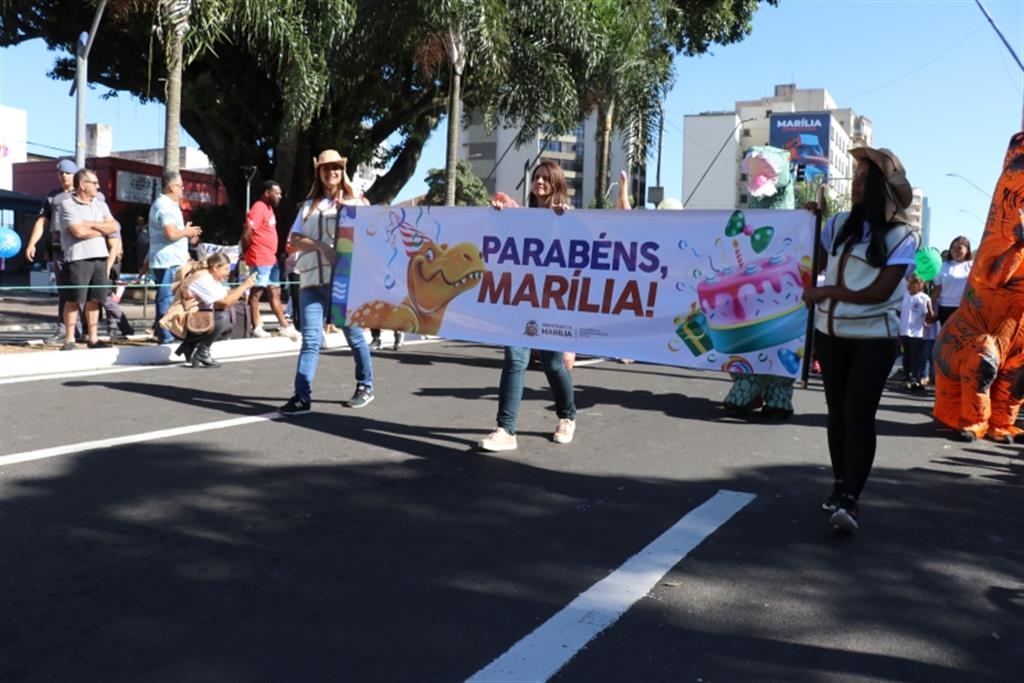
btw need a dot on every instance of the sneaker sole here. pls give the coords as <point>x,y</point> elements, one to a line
<point>561,440</point>
<point>357,406</point>
<point>842,521</point>
<point>497,449</point>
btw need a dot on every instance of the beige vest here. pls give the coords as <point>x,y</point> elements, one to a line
<point>314,270</point>
<point>850,269</point>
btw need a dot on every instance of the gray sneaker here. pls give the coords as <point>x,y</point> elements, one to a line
<point>363,396</point>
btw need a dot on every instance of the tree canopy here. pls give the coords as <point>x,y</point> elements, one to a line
<point>270,84</point>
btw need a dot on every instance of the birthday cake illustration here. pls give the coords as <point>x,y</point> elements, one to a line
<point>751,305</point>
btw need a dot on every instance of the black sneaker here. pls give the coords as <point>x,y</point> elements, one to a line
<point>294,406</point>
<point>831,504</point>
<point>363,396</point>
<point>845,517</point>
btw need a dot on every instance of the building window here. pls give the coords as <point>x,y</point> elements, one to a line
<point>743,177</point>
<point>746,132</point>
<point>743,199</point>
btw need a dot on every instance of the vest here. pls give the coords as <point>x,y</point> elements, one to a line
<point>850,269</point>
<point>313,269</point>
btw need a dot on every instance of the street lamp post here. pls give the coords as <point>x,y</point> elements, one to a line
<point>971,215</point>
<point>957,175</point>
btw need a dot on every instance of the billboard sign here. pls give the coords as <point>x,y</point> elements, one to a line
<point>806,136</point>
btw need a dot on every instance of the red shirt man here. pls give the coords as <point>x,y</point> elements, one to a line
<point>259,251</point>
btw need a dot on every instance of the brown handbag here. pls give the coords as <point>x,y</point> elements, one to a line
<point>199,322</point>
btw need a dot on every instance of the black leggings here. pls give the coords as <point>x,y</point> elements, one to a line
<point>854,372</point>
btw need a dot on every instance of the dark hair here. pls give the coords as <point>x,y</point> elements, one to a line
<point>959,240</point>
<point>269,185</point>
<point>556,178</point>
<point>870,210</point>
<point>80,175</point>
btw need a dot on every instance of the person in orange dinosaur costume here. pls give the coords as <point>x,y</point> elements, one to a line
<point>979,354</point>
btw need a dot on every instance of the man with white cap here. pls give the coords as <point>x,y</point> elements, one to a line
<point>48,224</point>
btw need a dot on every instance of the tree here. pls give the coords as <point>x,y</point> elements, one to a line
<point>469,31</point>
<point>271,83</point>
<point>629,81</point>
<point>469,190</point>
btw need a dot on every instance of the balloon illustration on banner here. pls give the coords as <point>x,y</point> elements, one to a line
<point>10,243</point>
<point>927,262</point>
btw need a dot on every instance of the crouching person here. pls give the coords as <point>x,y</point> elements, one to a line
<point>206,285</point>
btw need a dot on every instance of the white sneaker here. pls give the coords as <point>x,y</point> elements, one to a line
<point>498,440</point>
<point>260,332</point>
<point>290,332</point>
<point>564,431</point>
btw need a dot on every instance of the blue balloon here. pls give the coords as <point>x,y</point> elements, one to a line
<point>10,243</point>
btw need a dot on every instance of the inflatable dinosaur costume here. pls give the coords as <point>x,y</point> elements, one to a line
<point>979,353</point>
<point>769,186</point>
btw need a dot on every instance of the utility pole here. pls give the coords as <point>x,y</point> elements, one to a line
<point>78,87</point>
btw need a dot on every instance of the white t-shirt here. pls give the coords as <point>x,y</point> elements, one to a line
<point>952,278</point>
<point>207,291</point>
<point>913,314</point>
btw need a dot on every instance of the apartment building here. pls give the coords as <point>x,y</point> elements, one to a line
<point>806,121</point>
<point>503,166</point>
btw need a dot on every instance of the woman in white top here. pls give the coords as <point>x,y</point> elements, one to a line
<point>951,281</point>
<point>312,238</point>
<point>206,285</point>
<point>866,253</point>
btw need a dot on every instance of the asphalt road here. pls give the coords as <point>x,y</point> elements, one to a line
<point>378,545</point>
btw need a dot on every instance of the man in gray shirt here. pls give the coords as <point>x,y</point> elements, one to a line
<point>85,224</point>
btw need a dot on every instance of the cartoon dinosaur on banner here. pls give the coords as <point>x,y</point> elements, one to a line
<point>435,275</point>
<point>979,353</point>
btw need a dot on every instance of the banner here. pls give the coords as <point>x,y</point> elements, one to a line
<point>712,290</point>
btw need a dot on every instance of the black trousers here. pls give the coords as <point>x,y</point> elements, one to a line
<point>221,329</point>
<point>854,373</point>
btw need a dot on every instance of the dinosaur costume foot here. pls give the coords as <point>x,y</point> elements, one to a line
<point>1008,435</point>
<point>775,413</point>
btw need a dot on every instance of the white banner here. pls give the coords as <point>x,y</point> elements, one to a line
<point>713,290</point>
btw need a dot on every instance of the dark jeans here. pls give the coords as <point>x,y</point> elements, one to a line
<point>513,377</point>
<point>913,358</point>
<point>854,373</point>
<point>222,325</point>
<point>945,312</point>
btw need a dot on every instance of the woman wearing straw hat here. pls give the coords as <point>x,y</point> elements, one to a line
<point>867,253</point>
<point>312,237</point>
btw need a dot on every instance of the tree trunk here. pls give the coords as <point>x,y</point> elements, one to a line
<point>172,122</point>
<point>605,116</point>
<point>454,120</point>
<point>457,56</point>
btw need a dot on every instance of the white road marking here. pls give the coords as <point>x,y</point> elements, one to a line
<point>56,451</point>
<point>540,655</point>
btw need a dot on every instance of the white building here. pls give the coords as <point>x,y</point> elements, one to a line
<point>501,165</point>
<point>13,143</point>
<point>806,121</point>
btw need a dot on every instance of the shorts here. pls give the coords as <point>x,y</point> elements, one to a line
<point>267,276</point>
<point>91,278</point>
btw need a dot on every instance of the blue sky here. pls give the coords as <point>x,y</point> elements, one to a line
<point>940,89</point>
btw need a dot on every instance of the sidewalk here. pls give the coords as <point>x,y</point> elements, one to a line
<point>28,317</point>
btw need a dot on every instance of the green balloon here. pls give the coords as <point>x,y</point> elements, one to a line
<point>927,262</point>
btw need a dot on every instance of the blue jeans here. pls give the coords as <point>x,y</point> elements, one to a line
<point>314,301</point>
<point>163,278</point>
<point>513,375</point>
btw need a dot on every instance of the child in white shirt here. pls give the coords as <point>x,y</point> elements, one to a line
<point>915,315</point>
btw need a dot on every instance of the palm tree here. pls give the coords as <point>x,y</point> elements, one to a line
<point>470,32</point>
<point>629,81</point>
